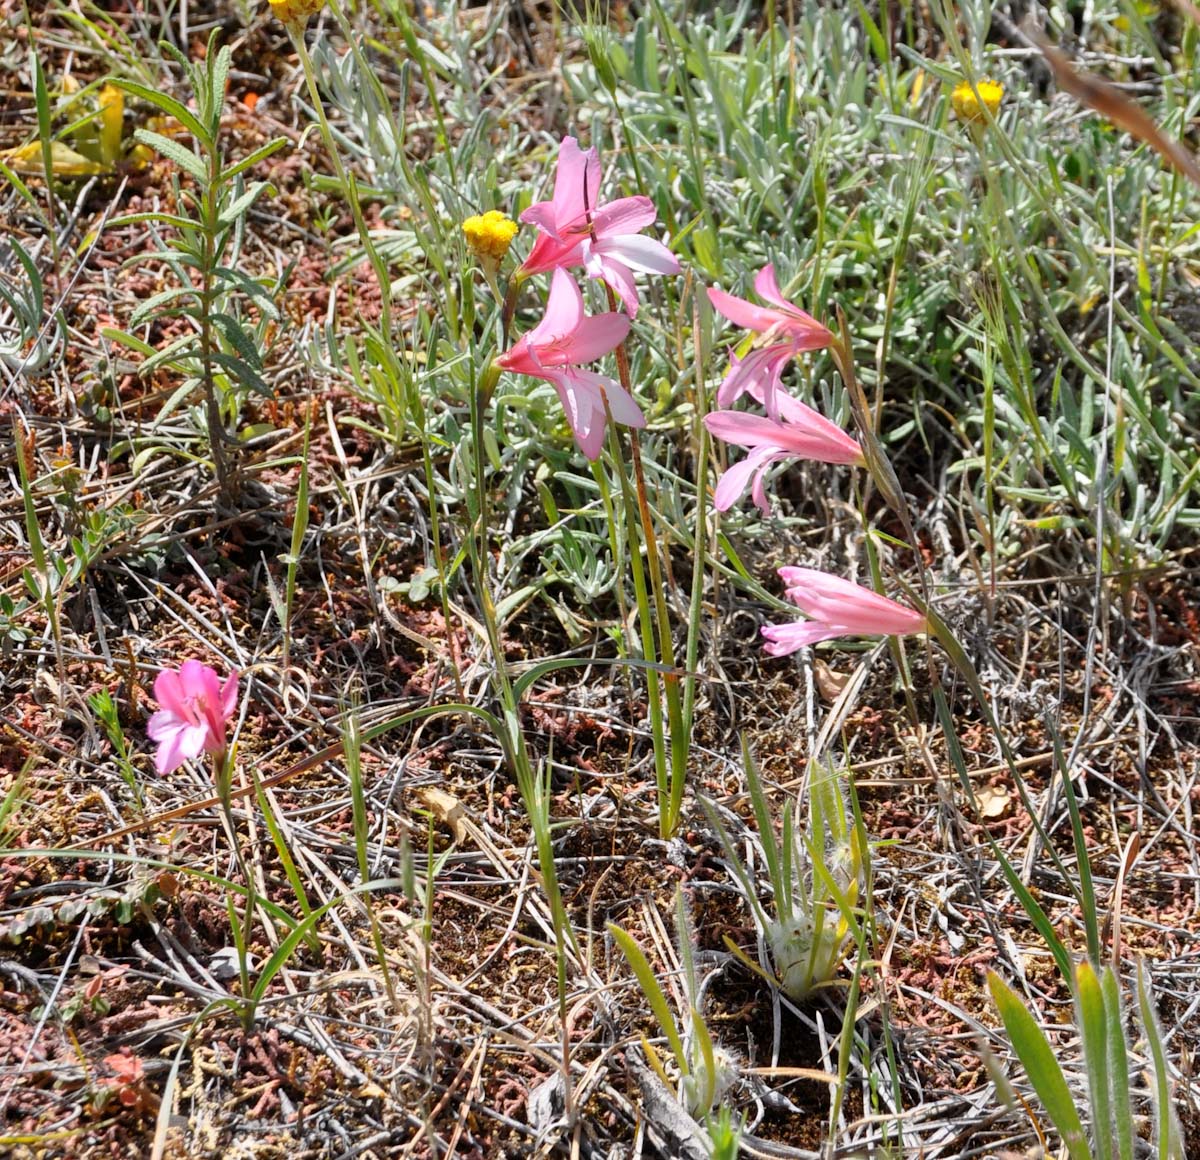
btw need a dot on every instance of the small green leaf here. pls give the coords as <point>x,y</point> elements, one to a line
<point>166,219</point>
<point>1093,1025</point>
<point>236,208</point>
<point>252,159</point>
<point>235,334</point>
<point>1118,1064</point>
<point>654,993</point>
<point>168,105</point>
<point>242,372</point>
<point>186,346</point>
<point>123,338</point>
<point>174,151</point>
<point>218,79</point>
<point>1037,1057</point>
<point>1169,1139</point>
<point>156,302</point>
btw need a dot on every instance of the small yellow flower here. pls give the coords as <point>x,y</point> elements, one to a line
<point>969,108</point>
<point>489,235</point>
<point>295,11</point>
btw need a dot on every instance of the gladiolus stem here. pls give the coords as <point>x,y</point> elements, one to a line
<point>645,624</point>
<point>670,793</point>
<point>700,536</point>
<point>223,777</point>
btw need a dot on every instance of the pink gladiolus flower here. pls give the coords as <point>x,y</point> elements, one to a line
<point>801,434</point>
<point>785,330</point>
<point>605,239</point>
<point>837,608</point>
<point>195,708</point>
<point>553,350</point>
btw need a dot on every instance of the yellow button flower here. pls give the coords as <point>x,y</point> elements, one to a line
<point>295,11</point>
<point>489,235</point>
<point>969,109</point>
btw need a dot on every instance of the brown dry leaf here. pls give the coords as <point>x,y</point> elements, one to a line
<point>1110,102</point>
<point>1188,8</point>
<point>447,809</point>
<point>994,801</point>
<point>830,684</point>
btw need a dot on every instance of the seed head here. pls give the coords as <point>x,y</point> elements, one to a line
<point>295,11</point>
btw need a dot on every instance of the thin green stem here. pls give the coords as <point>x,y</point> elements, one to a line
<point>223,776</point>
<point>700,537</point>
<point>670,792</point>
<point>210,221</point>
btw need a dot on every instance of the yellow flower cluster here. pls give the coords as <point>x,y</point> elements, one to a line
<point>489,235</point>
<point>295,11</point>
<point>969,108</point>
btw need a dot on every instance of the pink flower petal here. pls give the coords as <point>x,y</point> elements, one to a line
<point>593,338</point>
<point>758,492</point>
<point>542,215</point>
<point>787,638</point>
<point>734,480</point>
<point>811,436</point>
<point>626,215</point>
<point>564,309</point>
<point>790,409</point>
<point>576,182</point>
<point>193,740</point>
<point>758,375</point>
<point>201,684</point>
<point>170,756</point>
<point>585,411</point>
<point>806,333</point>
<point>620,278</point>
<point>743,313</point>
<point>179,744</point>
<point>621,404</point>
<point>162,724</point>
<point>170,694</point>
<point>766,287</point>
<point>576,186</point>
<point>742,428</point>
<point>229,694</point>
<point>520,359</point>
<point>548,254</point>
<point>834,600</point>
<point>644,254</point>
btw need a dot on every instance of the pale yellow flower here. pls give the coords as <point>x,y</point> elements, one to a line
<point>112,122</point>
<point>295,11</point>
<point>28,161</point>
<point>489,235</point>
<point>968,108</point>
